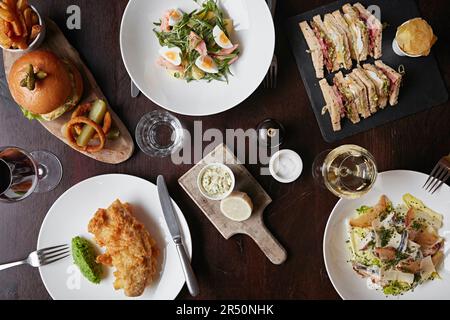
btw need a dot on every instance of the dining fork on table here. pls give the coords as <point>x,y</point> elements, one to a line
<point>270,81</point>
<point>439,175</point>
<point>41,257</point>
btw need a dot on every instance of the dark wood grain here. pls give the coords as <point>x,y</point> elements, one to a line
<point>234,269</point>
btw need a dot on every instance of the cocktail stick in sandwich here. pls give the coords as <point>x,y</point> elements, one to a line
<point>347,97</point>
<point>342,43</point>
<point>375,30</point>
<point>359,92</point>
<point>334,104</point>
<point>382,84</point>
<point>395,80</point>
<point>370,87</point>
<point>360,34</point>
<point>314,48</point>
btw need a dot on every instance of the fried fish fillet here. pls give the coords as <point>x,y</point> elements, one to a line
<point>129,247</point>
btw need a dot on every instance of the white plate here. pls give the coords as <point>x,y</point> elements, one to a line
<point>69,217</point>
<point>255,34</point>
<point>394,184</point>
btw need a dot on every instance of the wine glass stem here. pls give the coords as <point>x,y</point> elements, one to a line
<point>344,172</point>
<point>42,172</point>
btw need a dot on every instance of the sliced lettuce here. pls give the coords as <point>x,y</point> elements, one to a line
<point>30,115</point>
<point>422,211</point>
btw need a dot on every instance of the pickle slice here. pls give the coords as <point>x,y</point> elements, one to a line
<point>97,114</point>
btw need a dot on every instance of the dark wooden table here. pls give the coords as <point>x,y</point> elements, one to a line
<point>234,269</point>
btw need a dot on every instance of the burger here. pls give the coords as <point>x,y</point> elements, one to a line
<point>44,86</point>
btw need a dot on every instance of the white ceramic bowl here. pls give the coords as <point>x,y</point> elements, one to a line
<point>398,51</point>
<point>255,34</point>
<point>200,176</point>
<point>36,42</point>
<point>292,159</point>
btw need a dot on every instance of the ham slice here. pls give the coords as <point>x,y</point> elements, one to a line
<point>221,58</point>
<point>324,48</point>
<point>233,60</point>
<point>386,254</point>
<point>196,43</point>
<point>165,27</point>
<point>166,64</point>
<point>340,100</point>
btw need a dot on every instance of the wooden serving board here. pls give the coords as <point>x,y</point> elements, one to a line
<point>115,151</point>
<point>245,182</point>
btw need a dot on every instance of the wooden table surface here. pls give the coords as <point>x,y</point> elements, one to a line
<point>233,269</point>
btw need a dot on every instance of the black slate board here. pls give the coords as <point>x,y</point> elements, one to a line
<point>423,86</point>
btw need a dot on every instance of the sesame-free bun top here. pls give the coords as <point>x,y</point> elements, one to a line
<point>63,81</point>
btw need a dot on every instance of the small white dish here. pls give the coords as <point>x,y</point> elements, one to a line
<point>36,42</point>
<point>226,169</point>
<point>398,51</point>
<point>286,166</point>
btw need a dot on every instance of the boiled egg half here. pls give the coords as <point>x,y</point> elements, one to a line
<point>206,64</point>
<point>172,54</point>
<point>221,38</point>
<point>175,16</point>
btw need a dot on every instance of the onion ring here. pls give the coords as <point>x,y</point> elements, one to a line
<point>72,140</point>
<point>85,108</point>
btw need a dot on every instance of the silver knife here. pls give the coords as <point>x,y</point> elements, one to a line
<point>174,228</point>
<point>134,90</point>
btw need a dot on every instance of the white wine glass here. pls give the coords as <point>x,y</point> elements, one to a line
<point>348,171</point>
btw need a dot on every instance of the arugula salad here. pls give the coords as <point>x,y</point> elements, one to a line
<point>396,248</point>
<point>196,45</point>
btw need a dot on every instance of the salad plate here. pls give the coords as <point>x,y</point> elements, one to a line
<point>253,31</point>
<point>337,253</point>
<point>69,217</point>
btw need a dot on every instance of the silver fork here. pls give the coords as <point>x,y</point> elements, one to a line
<point>270,81</point>
<point>41,257</point>
<point>439,175</point>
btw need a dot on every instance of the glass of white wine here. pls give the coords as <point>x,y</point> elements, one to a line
<point>348,171</point>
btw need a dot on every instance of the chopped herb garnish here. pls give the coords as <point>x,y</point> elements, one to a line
<point>363,209</point>
<point>416,225</point>
<point>385,236</point>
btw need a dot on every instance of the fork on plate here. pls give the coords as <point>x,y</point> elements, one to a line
<point>41,257</point>
<point>270,81</point>
<point>439,175</point>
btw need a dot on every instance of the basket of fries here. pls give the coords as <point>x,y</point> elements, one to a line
<point>22,28</point>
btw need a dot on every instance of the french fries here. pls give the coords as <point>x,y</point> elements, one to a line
<point>19,24</point>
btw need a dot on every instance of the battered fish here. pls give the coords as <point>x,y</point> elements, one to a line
<point>129,247</point>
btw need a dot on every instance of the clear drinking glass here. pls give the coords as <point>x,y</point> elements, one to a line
<point>348,171</point>
<point>159,134</point>
<point>23,173</point>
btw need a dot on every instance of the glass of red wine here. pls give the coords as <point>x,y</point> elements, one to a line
<point>23,173</point>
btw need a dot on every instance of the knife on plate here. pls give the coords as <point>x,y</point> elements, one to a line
<point>175,231</point>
